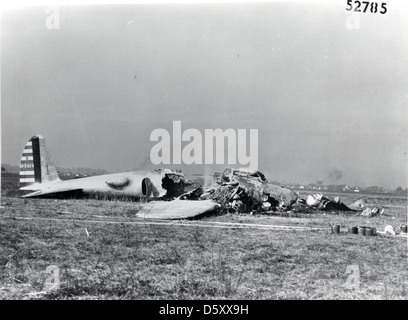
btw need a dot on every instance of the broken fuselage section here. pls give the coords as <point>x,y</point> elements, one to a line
<point>39,177</point>
<point>160,183</point>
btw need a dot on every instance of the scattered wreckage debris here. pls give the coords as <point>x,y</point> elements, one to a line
<point>399,230</point>
<point>358,205</point>
<point>389,230</point>
<point>368,212</point>
<point>321,202</point>
<point>300,206</point>
<point>235,191</point>
<point>247,191</point>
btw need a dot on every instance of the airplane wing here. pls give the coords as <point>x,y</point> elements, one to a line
<point>64,191</point>
<point>176,209</point>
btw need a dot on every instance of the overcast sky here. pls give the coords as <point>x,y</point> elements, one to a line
<point>330,103</point>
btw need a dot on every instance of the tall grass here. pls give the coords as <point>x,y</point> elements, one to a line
<point>127,261</point>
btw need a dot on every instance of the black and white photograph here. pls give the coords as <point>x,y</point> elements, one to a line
<point>204,151</point>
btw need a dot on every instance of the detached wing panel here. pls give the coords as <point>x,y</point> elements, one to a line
<point>176,209</point>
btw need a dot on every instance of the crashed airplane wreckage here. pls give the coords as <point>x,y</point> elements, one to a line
<point>242,191</point>
<point>234,190</point>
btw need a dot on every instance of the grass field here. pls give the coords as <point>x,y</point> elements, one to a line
<point>103,251</point>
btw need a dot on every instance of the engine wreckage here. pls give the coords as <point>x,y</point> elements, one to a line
<point>248,191</point>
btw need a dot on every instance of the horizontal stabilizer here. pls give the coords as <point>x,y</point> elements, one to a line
<point>51,191</point>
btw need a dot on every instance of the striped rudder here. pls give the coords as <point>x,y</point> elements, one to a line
<point>36,165</point>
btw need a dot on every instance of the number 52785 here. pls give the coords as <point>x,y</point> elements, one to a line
<point>364,6</point>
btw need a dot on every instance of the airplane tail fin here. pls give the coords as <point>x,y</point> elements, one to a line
<point>36,165</point>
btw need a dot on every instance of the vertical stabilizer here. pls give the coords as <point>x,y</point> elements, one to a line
<point>36,165</point>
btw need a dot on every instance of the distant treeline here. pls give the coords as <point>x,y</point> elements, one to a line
<point>79,172</point>
<point>320,188</point>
